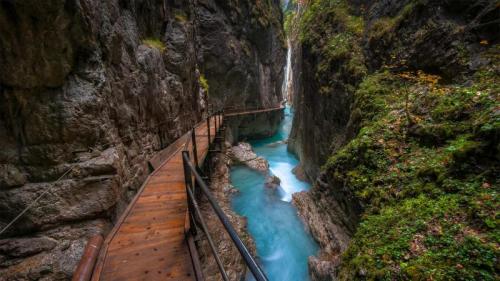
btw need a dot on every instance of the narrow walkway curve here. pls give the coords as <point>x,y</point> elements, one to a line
<point>148,241</point>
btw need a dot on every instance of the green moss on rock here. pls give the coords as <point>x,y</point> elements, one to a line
<point>204,83</point>
<point>424,163</point>
<point>155,43</point>
<point>431,207</point>
<point>332,32</point>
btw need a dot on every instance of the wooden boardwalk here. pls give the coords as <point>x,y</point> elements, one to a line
<point>148,241</point>
<point>246,112</point>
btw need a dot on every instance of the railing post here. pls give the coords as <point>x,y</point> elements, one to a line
<point>218,121</point>
<point>188,178</point>
<point>208,129</point>
<point>223,131</point>
<point>195,149</point>
<point>215,121</point>
<point>208,145</point>
<point>220,117</point>
<point>204,227</point>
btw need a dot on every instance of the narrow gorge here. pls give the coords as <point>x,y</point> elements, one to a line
<point>281,140</point>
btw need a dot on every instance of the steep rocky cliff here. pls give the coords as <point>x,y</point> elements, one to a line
<point>242,51</point>
<point>89,90</point>
<point>328,63</point>
<point>397,121</point>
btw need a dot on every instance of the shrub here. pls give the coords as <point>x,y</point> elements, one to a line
<point>204,83</point>
<point>155,43</point>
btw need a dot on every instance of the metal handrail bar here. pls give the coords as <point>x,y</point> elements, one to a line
<point>195,149</point>
<point>257,272</point>
<point>196,209</point>
<point>207,233</point>
<point>215,122</point>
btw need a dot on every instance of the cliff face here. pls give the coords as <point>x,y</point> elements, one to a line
<point>89,90</point>
<point>325,71</point>
<point>242,50</point>
<point>397,102</point>
<point>254,126</point>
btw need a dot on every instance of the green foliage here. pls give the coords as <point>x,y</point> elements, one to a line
<point>339,45</point>
<point>386,25</point>
<point>204,83</point>
<point>332,33</point>
<point>317,20</point>
<point>424,164</point>
<point>288,22</point>
<point>155,43</point>
<point>420,239</point>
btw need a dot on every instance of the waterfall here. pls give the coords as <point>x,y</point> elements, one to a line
<point>288,79</point>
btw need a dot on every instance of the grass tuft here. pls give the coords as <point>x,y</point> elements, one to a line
<point>155,43</point>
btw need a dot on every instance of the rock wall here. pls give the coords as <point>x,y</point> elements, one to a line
<point>439,37</point>
<point>342,44</point>
<point>242,50</point>
<point>89,91</point>
<point>322,90</point>
<point>253,126</point>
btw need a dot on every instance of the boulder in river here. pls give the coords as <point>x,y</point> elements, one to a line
<point>298,171</point>
<point>243,153</point>
<point>272,181</point>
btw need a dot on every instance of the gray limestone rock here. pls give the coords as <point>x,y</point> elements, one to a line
<point>84,95</point>
<point>272,181</point>
<point>244,154</point>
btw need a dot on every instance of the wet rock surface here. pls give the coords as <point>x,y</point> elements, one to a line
<point>243,154</point>
<point>222,190</point>
<point>86,98</point>
<point>272,181</point>
<point>50,254</point>
<point>299,172</point>
<point>253,126</point>
<point>330,224</point>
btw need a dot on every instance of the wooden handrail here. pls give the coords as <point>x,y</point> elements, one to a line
<point>231,113</point>
<point>86,266</point>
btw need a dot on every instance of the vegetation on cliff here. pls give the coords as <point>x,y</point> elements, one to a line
<point>334,34</point>
<point>424,163</point>
<point>204,83</point>
<point>155,43</point>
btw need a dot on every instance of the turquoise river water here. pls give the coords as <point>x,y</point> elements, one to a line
<point>283,244</point>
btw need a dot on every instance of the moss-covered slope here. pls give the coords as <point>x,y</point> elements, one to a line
<point>420,172</point>
<point>425,167</point>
